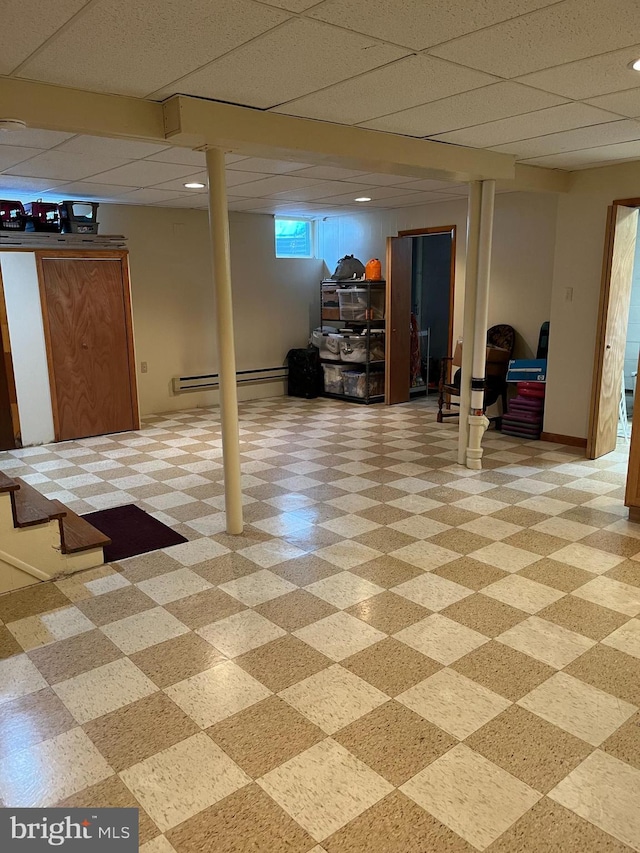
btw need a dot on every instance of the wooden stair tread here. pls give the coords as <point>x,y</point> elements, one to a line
<point>30,507</point>
<point>7,484</point>
<point>78,534</point>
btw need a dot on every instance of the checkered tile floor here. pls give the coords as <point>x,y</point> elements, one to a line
<point>399,655</point>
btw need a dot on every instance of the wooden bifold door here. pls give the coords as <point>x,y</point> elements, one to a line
<point>88,332</point>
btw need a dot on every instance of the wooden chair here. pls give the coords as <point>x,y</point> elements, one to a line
<point>495,385</point>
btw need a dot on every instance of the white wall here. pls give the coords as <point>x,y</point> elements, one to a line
<point>582,215</point>
<point>522,262</point>
<point>26,333</point>
<point>275,299</point>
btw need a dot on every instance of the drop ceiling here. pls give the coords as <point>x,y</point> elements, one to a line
<point>544,80</point>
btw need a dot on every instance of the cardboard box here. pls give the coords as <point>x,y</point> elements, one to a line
<point>527,370</point>
<point>496,360</point>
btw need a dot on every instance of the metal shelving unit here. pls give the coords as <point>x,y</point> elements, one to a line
<point>357,312</point>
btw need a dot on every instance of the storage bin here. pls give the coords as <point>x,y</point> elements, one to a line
<point>333,378</point>
<point>330,303</point>
<point>355,383</point>
<point>328,344</point>
<point>79,217</point>
<point>354,304</point>
<point>11,215</point>
<point>42,216</point>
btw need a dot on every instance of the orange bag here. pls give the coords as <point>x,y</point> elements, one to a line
<point>373,270</point>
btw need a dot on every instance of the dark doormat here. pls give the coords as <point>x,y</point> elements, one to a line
<point>132,531</point>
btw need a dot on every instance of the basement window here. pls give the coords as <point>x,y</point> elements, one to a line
<point>294,237</point>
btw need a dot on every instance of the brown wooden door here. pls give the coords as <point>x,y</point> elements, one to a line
<point>398,320</point>
<point>88,331</point>
<point>620,244</point>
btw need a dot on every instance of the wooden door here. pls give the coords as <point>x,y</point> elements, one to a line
<point>9,420</point>
<point>398,320</point>
<point>611,338</point>
<point>87,322</point>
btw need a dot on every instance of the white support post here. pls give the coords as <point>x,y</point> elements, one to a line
<point>468,322</point>
<point>219,227</point>
<point>478,423</point>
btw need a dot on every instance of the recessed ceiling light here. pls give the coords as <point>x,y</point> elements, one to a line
<point>363,198</point>
<point>635,65</point>
<point>194,185</point>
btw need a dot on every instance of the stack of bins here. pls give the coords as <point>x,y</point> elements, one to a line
<point>525,412</point>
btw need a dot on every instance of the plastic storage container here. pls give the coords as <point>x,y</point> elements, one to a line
<point>355,383</point>
<point>333,378</point>
<point>42,216</point>
<point>354,304</point>
<point>330,303</point>
<point>11,215</point>
<point>79,217</point>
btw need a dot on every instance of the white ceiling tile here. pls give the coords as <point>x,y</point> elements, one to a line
<point>27,25</point>
<point>177,185</point>
<point>330,173</point>
<point>103,146</point>
<point>263,164</point>
<point>294,5</point>
<point>65,167</point>
<point>134,48</point>
<point>12,184</point>
<point>624,130</point>
<point>417,24</point>
<point>196,202</point>
<point>625,103</point>
<point>181,157</point>
<point>435,186</point>
<point>271,186</point>
<point>375,193</point>
<point>82,189</point>
<point>380,180</point>
<point>235,178</point>
<point>587,78</point>
<point>286,63</point>
<point>400,85</point>
<point>242,204</point>
<point>598,156</point>
<point>469,108</point>
<point>10,155</point>
<point>563,32</point>
<point>141,173</point>
<point>318,190</point>
<point>551,120</point>
<point>32,138</point>
<point>151,196</point>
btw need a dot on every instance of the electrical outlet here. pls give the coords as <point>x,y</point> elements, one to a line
<point>568,294</point>
<point>144,367</point>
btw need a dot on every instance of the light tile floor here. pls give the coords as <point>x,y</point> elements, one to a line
<point>397,656</point>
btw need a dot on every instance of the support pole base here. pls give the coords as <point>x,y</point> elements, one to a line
<point>477,427</point>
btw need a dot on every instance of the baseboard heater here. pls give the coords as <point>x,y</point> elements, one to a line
<point>211,381</point>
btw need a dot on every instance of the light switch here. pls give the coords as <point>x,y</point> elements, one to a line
<point>568,294</point>
<point>144,367</point>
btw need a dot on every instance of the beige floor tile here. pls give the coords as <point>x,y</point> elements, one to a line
<point>295,609</point>
<point>432,591</point>
<point>391,666</point>
<point>30,601</point>
<point>324,788</point>
<point>241,632</point>
<point>470,573</point>
<point>491,527</point>
<point>68,658</point>
<point>265,735</point>
<point>19,677</point>
<point>333,698</point>
<point>104,689</point>
<point>339,636</point>
<point>536,542</point>
<point>9,646</point>
<point>614,543</point>
<point>441,638</point>
<point>626,638</point>
<point>578,708</point>
<point>344,589</point>
<point>248,817</point>
<point>557,575</point>
<point>529,748</point>
<point>147,566</point>
<point>346,554</point>
<point>626,572</point>
<point>35,631</point>
<point>419,526</point>
<point>503,670</point>
<point>590,559</point>
<point>583,617</point>
<point>173,585</point>
<point>625,742</point>
<point>349,525</point>
<point>175,660</point>
<point>424,555</point>
<point>471,795</point>
<point>386,571</point>
<point>304,570</point>
<point>453,702</point>
<point>388,612</point>
<point>144,629</point>
<point>604,791</point>
<point>394,741</point>
<point>564,528</point>
<point>613,594</point>
<point>205,607</point>
<point>522,593</point>
<point>31,719</point>
<point>611,670</point>
<point>217,693</point>
<point>395,825</point>
<point>505,557</point>
<point>42,774</point>
<point>546,641</point>
<point>486,615</point>
<point>452,515</point>
<point>74,587</point>
<point>184,779</point>
<point>159,844</point>
<point>115,605</point>
<point>550,828</point>
<point>282,662</point>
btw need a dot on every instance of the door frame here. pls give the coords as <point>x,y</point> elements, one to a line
<point>442,229</point>
<point>121,255</point>
<point>6,364</point>
<point>603,311</point>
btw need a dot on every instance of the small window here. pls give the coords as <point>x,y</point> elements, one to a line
<point>294,238</point>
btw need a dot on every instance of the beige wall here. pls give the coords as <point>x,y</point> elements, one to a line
<point>578,264</point>
<point>173,306</point>
<point>522,262</point>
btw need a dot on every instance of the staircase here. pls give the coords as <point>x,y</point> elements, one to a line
<point>41,539</point>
